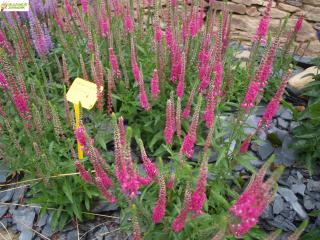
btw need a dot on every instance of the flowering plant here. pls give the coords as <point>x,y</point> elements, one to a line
<point>166,92</point>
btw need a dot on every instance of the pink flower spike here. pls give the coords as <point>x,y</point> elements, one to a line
<point>3,82</point>
<point>144,102</point>
<point>299,24</point>
<point>199,196</point>
<point>155,84</point>
<point>108,195</point>
<point>180,221</point>
<point>170,183</point>
<point>128,23</point>
<point>80,135</point>
<point>83,172</point>
<point>189,141</point>
<point>160,208</point>
<point>114,64</point>
<point>170,123</point>
<point>150,168</point>
<point>68,7</point>
<point>245,145</point>
<point>84,4</point>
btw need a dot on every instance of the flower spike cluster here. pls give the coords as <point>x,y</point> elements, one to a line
<point>252,202</point>
<point>170,122</point>
<point>180,221</point>
<point>190,139</point>
<point>160,208</point>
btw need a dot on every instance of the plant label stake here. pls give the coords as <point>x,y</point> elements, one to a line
<point>82,93</point>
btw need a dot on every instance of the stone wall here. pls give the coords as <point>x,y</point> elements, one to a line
<point>247,14</point>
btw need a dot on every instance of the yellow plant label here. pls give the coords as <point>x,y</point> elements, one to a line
<point>83,92</point>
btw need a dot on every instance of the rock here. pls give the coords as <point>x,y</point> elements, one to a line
<point>308,203</point>
<point>259,111</point>
<point>312,2</point>
<point>276,13</point>
<point>245,23</point>
<point>267,213</point>
<point>213,158</point>
<point>99,235</point>
<point>298,188</point>
<point>287,115</point>
<point>244,55</point>
<point>3,211</point>
<point>23,218</point>
<point>301,80</point>
<point>251,123</point>
<point>72,235</point>
<point>297,3</point>
<point>280,222</point>
<point>252,12</point>
<point>265,150</point>
<point>26,235</point>
<point>300,177</point>
<point>312,13</point>
<point>288,8</point>
<point>249,2</point>
<point>3,174</point>
<point>47,230</point>
<point>283,124</point>
<point>6,195</point>
<point>232,147</point>
<point>286,155</point>
<point>287,194</point>
<point>256,163</point>
<point>42,220</point>
<point>313,186</point>
<point>293,125</point>
<point>278,204</point>
<point>299,210</point>
<point>103,206</point>
<point>233,7</point>
<point>18,194</point>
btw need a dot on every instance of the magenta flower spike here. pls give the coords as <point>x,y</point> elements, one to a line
<point>68,7</point>
<point>114,64</point>
<point>83,172</point>
<point>198,197</point>
<point>128,22</point>
<point>170,123</point>
<point>189,141</point>
<point>84,4</point>
<point>155,84</point>
<point>144,102</point>
<point>160,207</point>
<point>149,167</point>
<point>3,82</point>
<point>250,205</point>
<point>263,25</point>
<point>180,221</point>
<point>245,145</point>
<point>105,192</point>
<point>273,105</point>
<point>298,24</point>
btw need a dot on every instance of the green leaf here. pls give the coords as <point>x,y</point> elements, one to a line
<point>68,191</point>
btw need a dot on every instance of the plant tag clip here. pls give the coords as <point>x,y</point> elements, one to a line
<point>82,93</point>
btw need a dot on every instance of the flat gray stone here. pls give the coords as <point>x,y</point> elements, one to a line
<point>313,186</point>
<point>251,124</point>
<point>26,235</point>
<point>267,213</point>
<point>280,110</point>
<point>99,235</point>
<point>24,218</point>
<point>260,110</point>
<point>42,220</point>
<point>298,188</point>
<point>18,194</point>
<point>278,204</point>
<point>72,235</point>
<point>6,195</point>
<point>299,210</point>
<point>3,211</point>
<point>103,206</point>
<point>287,114</point>
<point>282,223</point>
<point>265,150</point>
<point>293,125</point>
<point>308,203</point>
<point>47,230</point>
<point>3,174</point>
<point>256,163</point>
<point>287,194</point>
<point>283,123</point>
